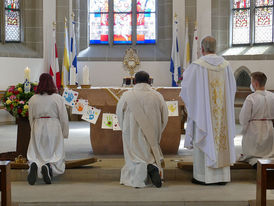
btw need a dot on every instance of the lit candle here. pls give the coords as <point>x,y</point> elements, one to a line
<point>72,75</point>
<point>27,74</point>
<point>85,75</point>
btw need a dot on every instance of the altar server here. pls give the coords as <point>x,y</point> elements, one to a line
<point>208,91</point>
<point>49,126</point>
<point>256,118</point>
<point>142,115</point>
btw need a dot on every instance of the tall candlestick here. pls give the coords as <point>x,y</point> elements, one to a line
<point>85,75</point>
<point>72,76</point>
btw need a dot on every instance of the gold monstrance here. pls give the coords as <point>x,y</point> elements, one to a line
<point>131,61</point>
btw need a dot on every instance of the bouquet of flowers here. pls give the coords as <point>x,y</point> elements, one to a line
<point>15,100</point>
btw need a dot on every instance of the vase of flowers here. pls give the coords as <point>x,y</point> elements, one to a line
<point>15,101</point>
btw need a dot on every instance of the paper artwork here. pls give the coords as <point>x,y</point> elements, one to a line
<point>107,121</point>
<point>79,106</point>
<point>116,126</point>
<point>91,114</point>
<point>172,108</point>
<point>70,97</point>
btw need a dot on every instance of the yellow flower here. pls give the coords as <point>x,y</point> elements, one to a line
<point>8,101</point>
<point>20,89</point>
<point>26,107</point>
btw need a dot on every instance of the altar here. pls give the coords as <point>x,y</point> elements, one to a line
<point>109,142</point>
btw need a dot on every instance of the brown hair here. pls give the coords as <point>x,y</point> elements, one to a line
<point>46,85</point>
<point>260,77</point>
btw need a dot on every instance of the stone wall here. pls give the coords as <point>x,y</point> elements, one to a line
<point>31,44</point>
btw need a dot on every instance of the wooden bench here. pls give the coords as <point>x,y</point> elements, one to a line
<point>5,186</point>
<point>265,180</point>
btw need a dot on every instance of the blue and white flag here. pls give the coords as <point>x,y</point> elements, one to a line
<point>73,49</point>
<point>175,66</point>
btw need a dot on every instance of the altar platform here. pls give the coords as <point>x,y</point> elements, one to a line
<point>98,184</point>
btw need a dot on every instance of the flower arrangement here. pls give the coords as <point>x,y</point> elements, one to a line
<point>15,100</point>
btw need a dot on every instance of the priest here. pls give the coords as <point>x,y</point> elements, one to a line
<point>208,91</point>
<point>256,118</point>
<point>142,115</point>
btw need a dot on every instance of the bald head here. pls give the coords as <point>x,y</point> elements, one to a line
<point>208,45</point>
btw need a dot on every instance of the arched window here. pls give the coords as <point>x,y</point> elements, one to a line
<point>122,21</point>
<point>12,21</point>
<point>252,22</point>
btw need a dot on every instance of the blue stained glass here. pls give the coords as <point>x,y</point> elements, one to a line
<point>146,28</point>
<point>98,28</point>
<point>122,28</point>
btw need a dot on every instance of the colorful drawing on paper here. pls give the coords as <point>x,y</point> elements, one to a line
<point>107,121</point>
<point>91,114</point>
<point>79,106</point>
<point>172,108</point>
<point>70,97</point>
<point>116,126</point>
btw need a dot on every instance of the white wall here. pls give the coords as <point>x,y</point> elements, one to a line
<point>265,66</point>
<point>12,70</point>
<point>112,73</point>
<point>204,18</point>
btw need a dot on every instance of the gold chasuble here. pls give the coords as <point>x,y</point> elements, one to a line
<point>217,94</point>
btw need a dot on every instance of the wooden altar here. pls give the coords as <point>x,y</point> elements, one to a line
<point>109,142</point>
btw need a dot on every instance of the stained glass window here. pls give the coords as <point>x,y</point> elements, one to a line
<point>241,4</point>
<point>122,22</point>
<point>99,21</point>
<point>263,25</point>
<point>117,21</point>
<point>264,2</point>
<point>241,26</point>
<point>263,21</point>
<point>12,20</point>
<point>146,22</point>
<point>262,10</point>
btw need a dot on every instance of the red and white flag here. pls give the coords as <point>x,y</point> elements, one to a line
<point>54,65</point>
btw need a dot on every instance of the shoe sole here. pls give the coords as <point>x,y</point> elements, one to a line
<point>154,175</point>
<point>45,173</point>
<point>32,176</point>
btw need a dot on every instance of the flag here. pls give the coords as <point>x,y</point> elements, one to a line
<point>195,44</point>
<point>175,66</point>
<point>65,68</point>
<point>186,49</point>
<point>54,65</point>
<point>73,49</point>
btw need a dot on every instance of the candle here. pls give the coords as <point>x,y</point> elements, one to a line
<point>85,75</point>
<point>27,74</point>
<point>72,76</point>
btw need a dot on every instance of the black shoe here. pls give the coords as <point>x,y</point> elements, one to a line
<point>46,175</point>
<point>197,182</point>
<point>154,175</point>
<point>50,170</point>
<point>32,176</point>
<point>194,181</point>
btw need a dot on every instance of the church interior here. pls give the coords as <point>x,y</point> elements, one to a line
<point>33,33</point>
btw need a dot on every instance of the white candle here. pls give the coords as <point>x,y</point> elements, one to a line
<point>27,74</point>
<point>85,75</point>
<point>72,76</point>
